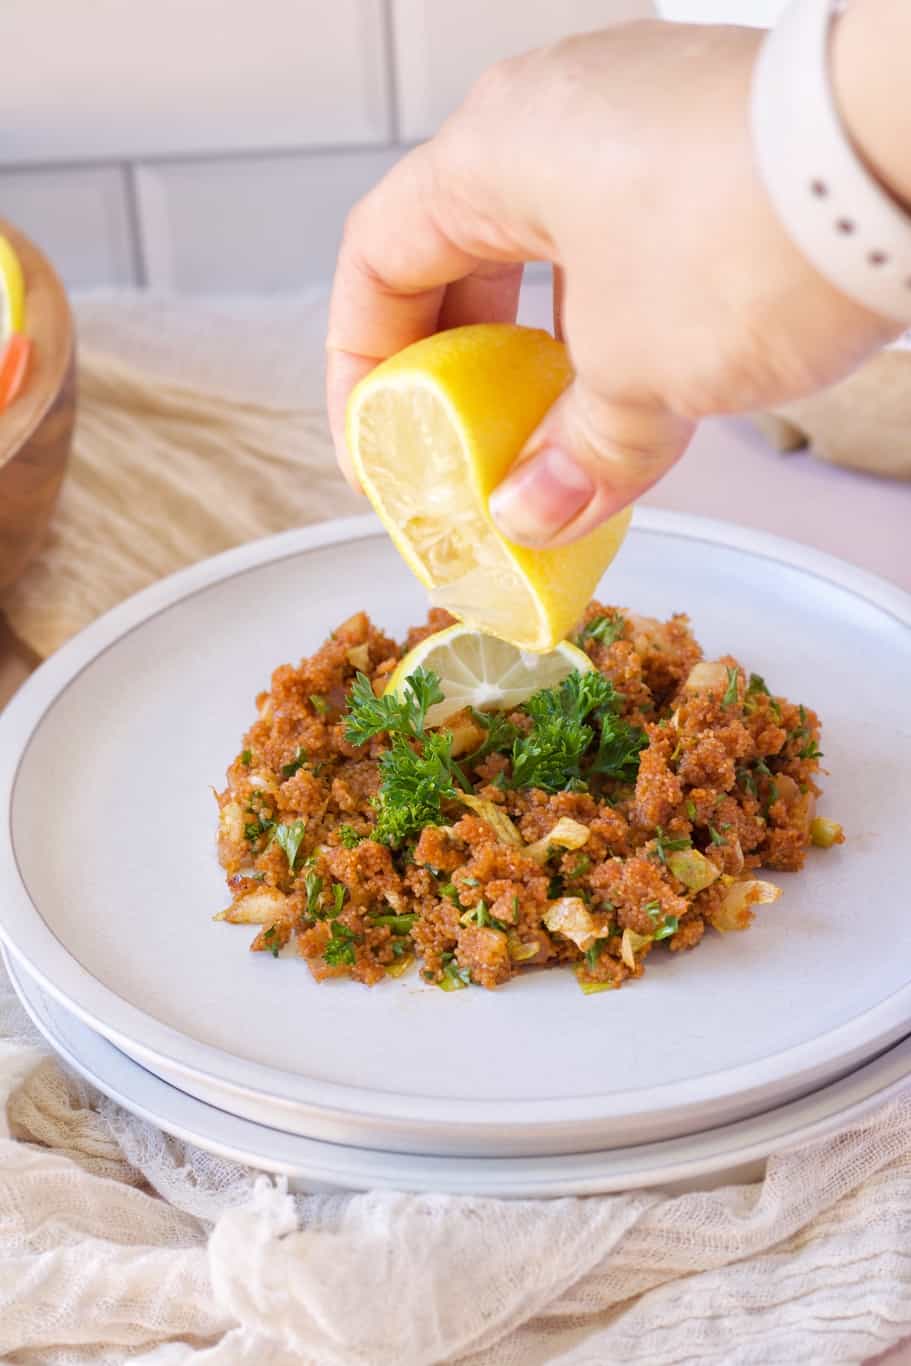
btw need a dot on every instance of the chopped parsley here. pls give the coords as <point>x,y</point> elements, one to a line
<point>300,758</point>
<point>756,684</point>
<point>605,629</point>
<point>450,891</point>
<point>270,940</point>
<point>652,909</point>
<point>246,758</point>
<point>715,837</point>
<point>399,924</point>
<point>349,837</point>
<point>338,898</point>
<point>290,838</point>
<point>593,953</point>
<point>810,751</point>
<point>664,846</point>
<point>455,977</point>
<point>313,886</point>
<point>581,866</point>
<point>340,949</point>
<point>730,692</point>
<point>667,928</point>
<point>481,916</point>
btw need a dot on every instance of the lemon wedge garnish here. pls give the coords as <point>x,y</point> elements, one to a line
<point>478,670</point>
<point>432,431</point>
<point>12,293</point>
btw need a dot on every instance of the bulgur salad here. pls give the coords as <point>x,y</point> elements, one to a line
<point>620,813</point>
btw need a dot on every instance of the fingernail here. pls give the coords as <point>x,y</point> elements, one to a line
<point>541,497</point>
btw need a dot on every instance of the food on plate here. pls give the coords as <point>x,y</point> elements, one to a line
<point>432,431</point>
<point>373,820</point>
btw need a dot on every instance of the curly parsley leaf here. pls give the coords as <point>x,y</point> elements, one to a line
<point>340,950</point>
<point>550,755</point>
<point>413,785</point>
<point>619,748</point>
<point>349,837</point>
<point>369,715</point>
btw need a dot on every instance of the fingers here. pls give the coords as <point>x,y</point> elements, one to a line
<point>396,266</point>
<point>588,459</point>
<point>490,294</point>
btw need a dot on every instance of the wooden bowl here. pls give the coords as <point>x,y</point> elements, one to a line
<point>36,430</point>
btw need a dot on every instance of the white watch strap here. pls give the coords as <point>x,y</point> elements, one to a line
<point>845,223</point>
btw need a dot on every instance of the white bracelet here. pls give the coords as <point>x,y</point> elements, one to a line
<point>845,223</point>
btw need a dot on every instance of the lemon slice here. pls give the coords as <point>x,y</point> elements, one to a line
<point>432,431</point>
<point>477,670</point>
<point>12,293</point>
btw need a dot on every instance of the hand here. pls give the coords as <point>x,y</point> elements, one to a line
<point>624,158</point>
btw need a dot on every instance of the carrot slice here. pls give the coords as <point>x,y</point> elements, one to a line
<point>13,367</point>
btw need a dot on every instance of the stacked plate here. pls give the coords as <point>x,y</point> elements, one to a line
<point>108,882</point>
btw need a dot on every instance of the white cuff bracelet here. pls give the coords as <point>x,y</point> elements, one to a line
<point>845,223</point>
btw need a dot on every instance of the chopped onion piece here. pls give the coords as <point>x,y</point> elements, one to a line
<point>570,917</point>
<point>521,952</point>
<point>566,834</point>
<point>693,869</point>
<point>231,822</point>
<point>706,676</point>
<point>734,912</point>
<point>495,817</point>
<point>260,907</point>
<point>400,966</point>
<point>359,657</point>
<point>824,833</point>
<point>630,945</point>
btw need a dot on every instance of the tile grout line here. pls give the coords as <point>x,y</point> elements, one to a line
<point>135,225</point>
<point>392,83</point>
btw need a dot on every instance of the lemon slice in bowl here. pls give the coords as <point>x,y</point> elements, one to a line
<point>432,431</point>
<point>478,670</point>
<point>12,293</point>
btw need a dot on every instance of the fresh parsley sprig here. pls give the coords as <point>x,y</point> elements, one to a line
<point>369,715</point>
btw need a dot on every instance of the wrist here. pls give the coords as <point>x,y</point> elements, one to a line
<point>869,72</point>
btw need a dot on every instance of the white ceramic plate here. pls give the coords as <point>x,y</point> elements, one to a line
<point>110,878</point>
<point>733,1153</point>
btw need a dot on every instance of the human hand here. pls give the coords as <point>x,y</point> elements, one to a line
<point>624,158</point>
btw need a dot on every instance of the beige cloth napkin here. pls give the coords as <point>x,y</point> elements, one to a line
<point>119,1243</point>
<point>163,475</point>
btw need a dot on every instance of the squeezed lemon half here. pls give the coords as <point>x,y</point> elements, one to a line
<point>432,431</point>
<point>478,670</point>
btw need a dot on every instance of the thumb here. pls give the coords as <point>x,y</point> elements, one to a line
<point>587,460</point>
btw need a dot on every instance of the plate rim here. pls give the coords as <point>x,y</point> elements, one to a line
<point>139,1033</point>
<point>688,1157</point>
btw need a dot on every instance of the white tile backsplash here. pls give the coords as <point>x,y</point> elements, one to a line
<point>441,49</point>
<point>250,224</point>
<point>78,216</point>
<point>213,146</point>
<point>93,79</point>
